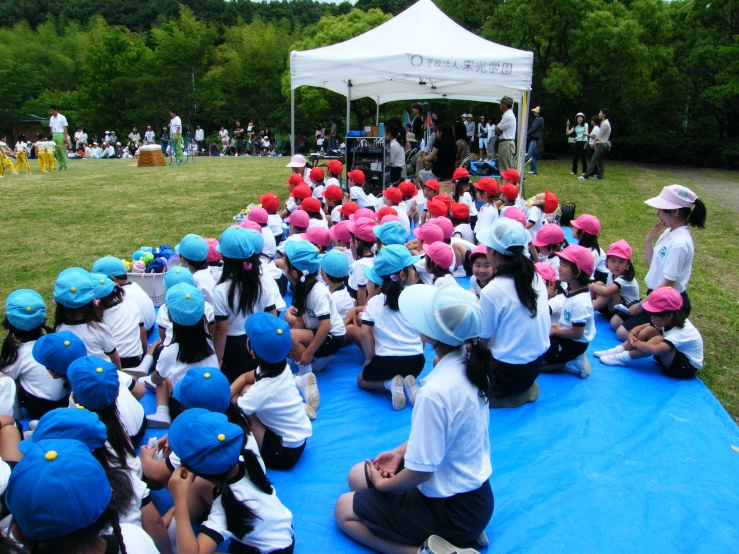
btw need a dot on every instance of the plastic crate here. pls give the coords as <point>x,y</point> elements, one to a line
<point>152,283</point>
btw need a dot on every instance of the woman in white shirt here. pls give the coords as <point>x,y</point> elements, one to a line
<point>433,488</point>
<point>396,155</point>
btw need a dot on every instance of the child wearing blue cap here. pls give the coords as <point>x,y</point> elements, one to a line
<point>268,397</point>
<point>175,276</point>
<point>245,508</point>
<point>193,250</point>
<point>116,271</point>
<point>334,269</point>
<point>37,390</point>
<point>74,294</point>
<point>437,483</point>
<point>242,291</point>
<point>191,346</point>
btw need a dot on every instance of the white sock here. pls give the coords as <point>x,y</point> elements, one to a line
<point>163,411</point>
<point>623,356</point>
<point>303,369</point>
<point>389,384</point>
<point>299,381</point>
<point>145,364</point>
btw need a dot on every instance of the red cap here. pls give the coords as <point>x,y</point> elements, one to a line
<point>480,250</point>
<point>302,192</point>
<point>386,210</point>
<point>551,203</point>
<point>548,234</point>
<point>340,231</point>
<point>335,167</point>
<point>318,236</point>
<point>348,208</point>
<point>620,249</point>
<point>512,212</point>
<point>447,227</point>
<point>356,176</point>
<point>408,188</point>
<point>460,173</point>
<point>294,180</point>
<point>511,175</point>
<point>248,224</point>
<point>665,299</point>
<point>432,184</point>
<point>362,229</point>
<point>363,212</point>
<point>429,233</point>
<point>444,198</point>
<point>440,253</point>
<point>546,271</point>
<point>580,256</point>
<point>213,254</point>
<point>587,223</point>
<point>394,194</point>
<point>509,191</point>
<point>312,205</point>
<point>489,185</point>
<point>317,174</point>
<point>258,215</point>
<point>299,218</point>
<point>437,208</point>
<point>460,211</point>
<point>270,202</point>
<point>333,192</point>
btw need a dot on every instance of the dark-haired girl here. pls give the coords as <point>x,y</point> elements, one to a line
<point>621,290</point>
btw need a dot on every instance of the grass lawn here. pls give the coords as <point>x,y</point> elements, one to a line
<point>54,221</point>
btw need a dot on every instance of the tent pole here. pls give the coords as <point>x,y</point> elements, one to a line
<point>292,121</point>
<point>523,123</point>
<point>348,108</point>
<point>377,119</point>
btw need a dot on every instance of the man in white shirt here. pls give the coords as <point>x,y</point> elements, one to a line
<point>58,125</point>
<point>80,139</point>
<point>148,135</point>
<point>200,138</point>
<point>602,145</point>
<point>175,132</point>
<point>108,151</point>
<point>470,126</point>
<point>96,151</point>
<point>506,131</point>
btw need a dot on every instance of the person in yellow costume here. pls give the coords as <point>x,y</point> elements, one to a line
<point>58,124</point>
<point>5,160</point>
<point>21,155</point>
<point>40,146</point>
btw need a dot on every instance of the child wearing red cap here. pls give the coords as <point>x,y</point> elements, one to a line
<point>585,229</point>
<point>620,289</point>
<point>271,203</point>
<point>430,191</point>
<point>463,194</point>
<point>335,170</point>
<point>356,181</point>
<point>317,177</point>
<point>509,197</point>
<point>312,206</point>
<point>510,176</point>
<point>569,338</point>
<point>394,199</point>
<point>332,198</point>
<point>363,239</point>
<point>295,180</point>
<point>461,217</point>
<point>486,192</point>
<point>410,192</point>
<point>677,346</point>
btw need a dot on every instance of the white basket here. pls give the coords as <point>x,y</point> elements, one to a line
<point>152,283</point>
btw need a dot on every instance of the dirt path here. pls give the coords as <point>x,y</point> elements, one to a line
<point>722,186</point>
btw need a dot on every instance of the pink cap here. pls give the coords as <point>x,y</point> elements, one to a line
<point>429,233</point>
<point>580,256</point>
<point>362,229</point>
<point>213,254</point>
<point>512,212</point>
<point>258,215</point>
<point>672,198</point>
<point>319,236</point>
<point>665,299</point>
<point>440,253</point>
<point>446,225</point>
<point>620,249</point>
<point>299,218</point>
<point>549,234</point>
<point>247,224</point>
<point>340,231</point>
<point>546,271</point>
<point>587,223</point>
<point>479,250</point>
<point>389,217</point>
<point>363,212</point>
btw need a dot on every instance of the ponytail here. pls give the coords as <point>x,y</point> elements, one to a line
<point>119,478</point>
<point>522,270</point>
<point>244,280</point>
<point>9,349</point>
<point>480,369</point>
<point>392,286</point>
<point>697,216</point>
<point>113,299</point>
<point>117,436</point>
<point>237,417</point>
<point>302,288</point>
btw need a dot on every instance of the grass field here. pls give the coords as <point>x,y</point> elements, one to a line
<point>54,221</point>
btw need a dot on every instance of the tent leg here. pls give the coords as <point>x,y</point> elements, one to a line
<point>523,124</point>
<point>348,109</point>
<point>377,119</point>
<point>292,121</point>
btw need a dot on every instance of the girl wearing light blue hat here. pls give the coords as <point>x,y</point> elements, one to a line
<point>193,250</point>
<point>435,487</point>
<point>38,391</point>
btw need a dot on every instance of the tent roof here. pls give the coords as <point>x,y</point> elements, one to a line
<point>420,53</point>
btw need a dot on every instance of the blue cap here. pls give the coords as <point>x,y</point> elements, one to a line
<point>303,255</point>
<point>74,288</point>
<point>237,243</point>
<point>371,275</point>
<point>110,266</point>
<point>203,387</point>
<point>269,336</point>
<point>447,313</point>
<point>57,350</point>
<point>335,264</point>
<point>177,275</point>
<point>389,260</point>
<point>25,309</point>
<point>186,304</point>
<point>69,423</point>
<point>56,489</point>
<point>503,234</point>
<point>192,247</point>
<point>391,232</point>
<point>103,285</point>
<point>94,382</point>
<point>205,441</point>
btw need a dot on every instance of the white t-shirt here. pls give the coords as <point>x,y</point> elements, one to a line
<point>164,321</point>
<point>97,338</point>
<point>394,336</point>
<point>599,257</point>
<point>33,377</point>
<point>468,201</point>
<point>403,217</point>
<point>447,279</point>
<point>688,341</point>
<point>465,231</point>
<point>130,410</point>
<point>534,215</point>
<point>290,205</point>
<point>318,223</point>
<point>290,238</point>
<point>396,157</point>
<point>628,290</point>
<point>199,134</point>
<point>169,367</point>
<point>556,304</point>
<point>58,123</point>
<point>205,282</point>
<point>449,431</point>
<point>318,190</point>
<point>508,125</point>
<point>577,311</point>
<point>517,338</point>
<point>149,136</point>
<point>319,306</point>
<point>136,540</point>
<point>363,200</point>
<point>175,125</point>
<point>475,286</point>
<point>274,222</point>
<point>672,259</point>
<point>343,301</point>
<point>125,322</point>
<point>136,294</point>
<point>270,244</point>
<point>278,405</point>
<point>357,278</point>
<point>595,131</point>
<point>264,302</point>
<point>487,214</point>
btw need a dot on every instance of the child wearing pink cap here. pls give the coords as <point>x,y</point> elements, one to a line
<point>363,239</point>
<point>555,292</point>
<point>482,269</point>
<point>439,259</point>
<point>341,239</point>
<point>548,241</point>
<point>318,236</point>
<point>585,229</point>
<point>569,338</point>
<point>214,260</point>
<point>426,234</point>
<point>621,290</point>
<point>678,348</point>
<point>261,218</point>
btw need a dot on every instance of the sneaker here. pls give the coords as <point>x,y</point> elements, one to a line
<point>410,387</point>
<point>135,372</point>
<point>398,393</point>
<point>610,352</point>
<point>15,173</point>
<point>573,173</point>
<point>581,178</point>
<point>516,400</point>
<point>148,383</point>
<point>531,173</point>
<point>309,388</point>
<point>436,545</point>
<point>158,421</point>
<point>310,412</point>
<point>612,360</point>
<point>579,366</point>
<point>596,178</point>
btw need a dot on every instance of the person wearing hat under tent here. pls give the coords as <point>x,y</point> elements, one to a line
<point>116,270</point>
<point>405,500</point>
<point>469,128</point>
<point>516,315</point>
<point>483,130</point>
<point>193,250</point>
<point>506,131</point>
<point>535,135</point>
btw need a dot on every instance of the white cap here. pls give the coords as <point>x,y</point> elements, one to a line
<point>297,160</point>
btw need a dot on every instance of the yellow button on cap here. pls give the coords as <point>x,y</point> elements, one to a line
<point>176,270</point>
<point>102,281</point>
<point>73,289</point>
<point>50,455</point>
<point>99,370</point>
<point>80,407</point>
<point>187,296</point>
<point>279,331</point>
<point>221,437</point>
<point>206,375</point>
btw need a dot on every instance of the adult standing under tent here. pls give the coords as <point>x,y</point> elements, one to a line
<point>483,129</point>
<point>535,134</point>
<point>58,125</point>
<point>332,139</point>
<point>506,131</point>
<point>417,122</point>
<point>175,134</point>
<point>470,127</point>
<point>602,145</point>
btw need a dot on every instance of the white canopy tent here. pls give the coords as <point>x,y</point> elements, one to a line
<point>419,54</point>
